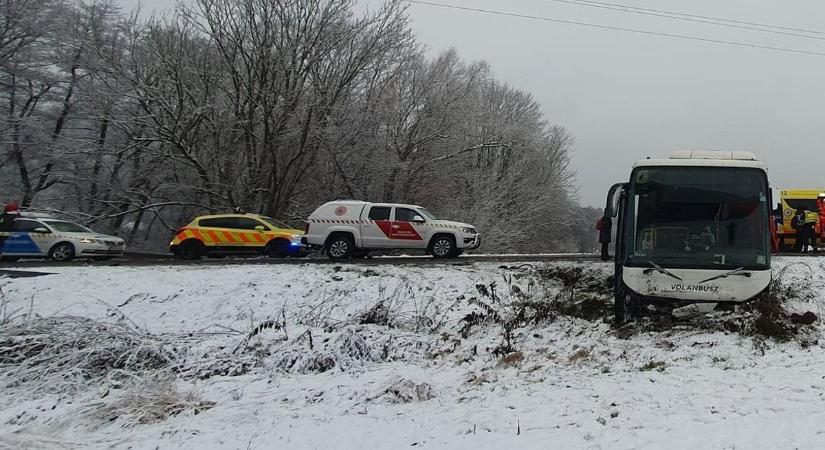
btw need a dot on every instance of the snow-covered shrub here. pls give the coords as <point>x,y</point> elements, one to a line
<point>347,348</point>
<point>407,307</point>
<point>58,353</point>
<point>402,390</point>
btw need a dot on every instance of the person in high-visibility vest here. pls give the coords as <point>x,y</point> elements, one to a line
<point>10,213</point>
<point>804,221</point>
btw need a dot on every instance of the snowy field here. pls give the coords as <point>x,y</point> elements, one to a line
<point>476,356</point>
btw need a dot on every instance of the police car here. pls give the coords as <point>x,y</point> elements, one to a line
<point>35,237</point>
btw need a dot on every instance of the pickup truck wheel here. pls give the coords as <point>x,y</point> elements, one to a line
<point>340,247</point>
<point>443,247</point>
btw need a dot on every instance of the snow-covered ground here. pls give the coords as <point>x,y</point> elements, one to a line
<point>304,357</point>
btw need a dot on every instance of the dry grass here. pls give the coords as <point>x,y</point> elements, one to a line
<point>57,353</point>
<point>147,404</point>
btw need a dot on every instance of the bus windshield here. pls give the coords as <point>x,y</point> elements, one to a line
<point>698,218</point>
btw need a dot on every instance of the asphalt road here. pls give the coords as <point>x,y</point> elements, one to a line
<point>21,274</point>
<point>147,261</point>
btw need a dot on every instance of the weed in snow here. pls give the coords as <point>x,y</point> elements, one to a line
<point>146,404</point>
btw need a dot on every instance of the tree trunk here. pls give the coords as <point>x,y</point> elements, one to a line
<point>101,145</point>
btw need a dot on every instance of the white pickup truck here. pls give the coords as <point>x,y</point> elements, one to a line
<point>345,229</point>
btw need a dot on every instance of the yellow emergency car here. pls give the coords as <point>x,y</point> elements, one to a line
<point>791,200</point>
<point>236,233</point>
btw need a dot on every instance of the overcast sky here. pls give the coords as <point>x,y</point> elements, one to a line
<point>627,96</point>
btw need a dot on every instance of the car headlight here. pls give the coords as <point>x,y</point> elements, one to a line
<point>469,230</point>
<point>89,241</point>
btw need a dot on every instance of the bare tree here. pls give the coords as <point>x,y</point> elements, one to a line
<point>271,106</point>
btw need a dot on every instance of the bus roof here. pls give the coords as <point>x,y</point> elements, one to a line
<point>703,158</point>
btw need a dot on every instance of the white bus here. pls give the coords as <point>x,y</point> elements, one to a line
<point>693,228</point>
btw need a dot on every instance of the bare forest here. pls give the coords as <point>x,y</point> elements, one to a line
<point>134,125</point>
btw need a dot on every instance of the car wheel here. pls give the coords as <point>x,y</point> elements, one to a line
<point>192,250</point>
<point>340,247</point>
<point>62,252</point>
<point>278,249</point>
<point>443,247</point>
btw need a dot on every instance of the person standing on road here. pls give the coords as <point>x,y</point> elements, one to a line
<point>810,230</point>
<point>605,227</point>
<point>777,216</point>
<point>798,223</point>
<point>10,213</point>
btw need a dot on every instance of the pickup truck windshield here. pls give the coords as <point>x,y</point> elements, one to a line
<point>698,217</point>
<point>427,215</point>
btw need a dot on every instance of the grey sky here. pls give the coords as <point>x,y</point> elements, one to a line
<point>627,96</point>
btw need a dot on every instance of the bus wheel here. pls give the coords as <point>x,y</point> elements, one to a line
<point>619,309</point>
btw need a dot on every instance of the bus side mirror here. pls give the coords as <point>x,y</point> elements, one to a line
<point>611,206</point>
<point>611,210</point>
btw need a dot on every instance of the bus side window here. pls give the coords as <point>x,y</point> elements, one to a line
<point>647,240</point>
